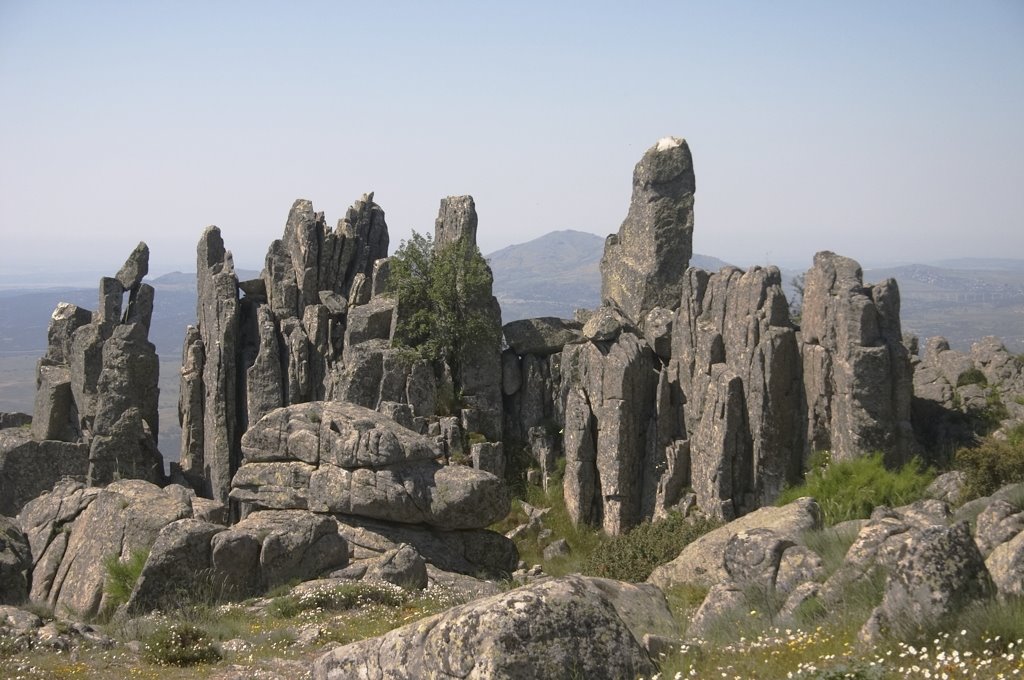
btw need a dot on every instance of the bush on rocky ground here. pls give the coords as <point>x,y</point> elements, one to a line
<point>992,464</point>
<point>851,489</point>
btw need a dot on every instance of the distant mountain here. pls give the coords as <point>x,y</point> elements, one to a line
<point>555,274</point>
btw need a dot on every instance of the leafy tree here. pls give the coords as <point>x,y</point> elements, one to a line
<point>443,296</point>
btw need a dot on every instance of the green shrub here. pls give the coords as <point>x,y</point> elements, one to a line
<point>971,376</point>
<point>122,577</point>
<point>851,489</point>
<point>179,644</point>
<point>634,555</point>
<point>992,464</point>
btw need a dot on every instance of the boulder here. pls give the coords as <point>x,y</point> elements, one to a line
<point>998,523</point>
<point>74,531</point>
<point>401,566</point>
<point>642,267</point>
<point>471,551</point>
<point>135,267</point>
<point>176,567</point>
<point>269,548</point>
<point>939,571</point>
<point>1006,566</point>
<point>553,629</point>
<point>702,561</point>
<point>542,336</point>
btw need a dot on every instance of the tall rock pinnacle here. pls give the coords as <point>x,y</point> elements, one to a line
<point>643,264</point>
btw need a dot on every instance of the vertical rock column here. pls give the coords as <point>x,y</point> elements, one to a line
<point>735,355</point>
<point>643,264</point>
<point>857,373</point>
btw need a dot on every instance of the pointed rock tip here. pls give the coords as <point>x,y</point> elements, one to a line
<point>666,143</point>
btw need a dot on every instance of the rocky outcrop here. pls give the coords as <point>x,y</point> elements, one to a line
<point>97,384</point>
<point>643,264</point>
<point>857,375</point>
<point>734,354</point>
<point>957,393</point>
<point>479,366</point>
<point>73,531</point>
<point>279,343</point>
<point>341,458</point>
<point>562,627</point>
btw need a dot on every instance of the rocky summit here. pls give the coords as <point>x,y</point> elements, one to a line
<point>350,491</point>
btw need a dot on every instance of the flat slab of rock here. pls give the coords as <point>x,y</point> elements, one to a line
<point>542,335</point>
<point>573,626</point>
<point>340,433</point>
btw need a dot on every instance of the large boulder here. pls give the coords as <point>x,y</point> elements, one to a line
<point>938,572</point>
<point>1006,565</point>
<point>74,531</point>
<point>343,458</point>
<point>270,548</point>
<point>702,562</point>
<point>642,267</point>
<point>178,567</point>
<point>566,627</point>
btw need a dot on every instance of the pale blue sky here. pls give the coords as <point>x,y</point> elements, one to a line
<point>886,131</point>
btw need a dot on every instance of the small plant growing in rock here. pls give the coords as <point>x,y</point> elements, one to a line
<point>971,376</point>
<point>179,644</point>
<point>122,577</point>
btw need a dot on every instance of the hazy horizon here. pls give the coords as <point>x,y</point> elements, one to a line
<point>888,132</point>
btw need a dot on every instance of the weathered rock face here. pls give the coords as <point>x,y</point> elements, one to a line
<point>29,467</point>
<point>558,628</point>
<point>543,336</point>
<point>643,264</point>
<point>280,344</point>
<point>610,420</point>
<point>735,357</point>
<point>73,530</point>
<point>269,548</point>
<point>342,458</point>
<point>97,384</point>
<point>15,562</point>
<point>177,564</point>
<point>857,375</point>
<point>702,562</point>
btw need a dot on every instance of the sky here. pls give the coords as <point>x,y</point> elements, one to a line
<point>885,131</point>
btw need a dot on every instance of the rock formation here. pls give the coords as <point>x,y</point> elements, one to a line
<point>96,415</point>
<point>276,343</point>
<point>857,374</point>
<point>643,264</point>
<point>336,457</point>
